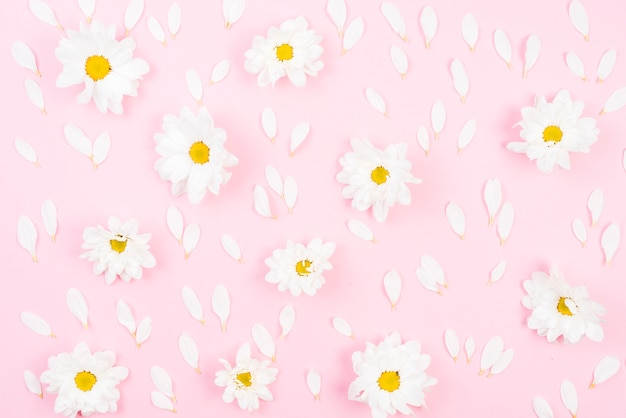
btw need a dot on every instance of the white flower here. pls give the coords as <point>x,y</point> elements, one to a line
<point>552,130</point>
<point>247,381</point>
<point>290,50</point>
<point>118,251</point>
<point>298,268</point>
<point>193,156</point>
<point>106,66</point>
<point>84,383</point>
<point>391,376</point>
<point>559,309</point>
<point>375,177</point>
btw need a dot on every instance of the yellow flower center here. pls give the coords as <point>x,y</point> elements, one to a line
<point>379,175</point>
<point>552,133</point>
<point>97,67</point>
<point>85,380</point>
<point>389,381</point>
<point>199,152</point>
<point>118,245</point>
<point>302,267</point>
<point>245,379</point>
<point>562,307</point>
<point>284,52</point>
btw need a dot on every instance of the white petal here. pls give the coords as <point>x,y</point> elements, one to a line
<point>174,15</point>
<point>35,95</point>
<point>194,85</point>
<point>505,221</point>
<point>314,382</point>
<point>36,324</point>
<point>493,197</point>
<point>336,9</point>
<point>32,383</point>
<point>376,100</point>
<point>427,279</point>
<point>394,18</point>
<point>24,57</point>
<point>175,222</point>
<point>268,122</point>
<point>43,12</point>
<point>144,330</point>
<point>610,241</point>
<point>459,79</point>
<point>452,343</point>
<point>429,23</point>
<point>469,30</point>
<point>434,268</point>
<point>192,303</point>
<point>191,237</point>
<point>264,341</point>
<point>353,34</point>
<point>220,303</point>
<point>286,319</point>
<point>569,397</point>
<point>399,60</point>
<point>156,30</point>
<point>341,326</point>
<point>468,131</point>
<point>101,148</point>
<point>503,46</point>
<point>503,362</point>
<point>231,247</point>
<point>78,140</point>
<point>290,190</point>
<point>438,117</point>
<point>162,381</point>
<point>27,151</point>
<point>616,101</point>
<point>161,401</point>
<point>606,368</point>
<point>456,219</point>
<point>360,230</point>
<point>575,64</point>
<point>125,316</point>
<point>595,204</point>
<point>27,235</point>
<point>274,180</point>
<point>49,217</point>
<point>422,139</point>
<point>393,286</point>
<point>189,350</point>
<point>607,63</point>
<point>220,71</point>
<point>298,135</point>
<point>232,10</point>
<point>261,202</point>
<point>579,231</point>
<point>542,408</point>
<point>133,14</point>
<point>87,7</point>
<point>579,18</point>
<point>78,306</point>
<point>470,346</point>
<point>533,48</point>
<point>497,272</point>
<point>491,353</point>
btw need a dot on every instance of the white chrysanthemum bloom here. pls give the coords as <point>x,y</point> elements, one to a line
<point>192,153</point>
<point>105,66</point>
<point>298,268</point>
<point>247,381</point>
<point>291,50</point>
<point>552,130</point>
<point>391,376</point>
<point>84,383</point>
<point>561,310</point>
<point>375,177</point>
<point>118,251</point>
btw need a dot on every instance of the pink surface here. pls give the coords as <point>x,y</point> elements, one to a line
<point>334,104</point>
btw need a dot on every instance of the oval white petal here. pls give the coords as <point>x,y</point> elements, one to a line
<point>192,303</point>
<point>298,135</point>
<point>399,60</point>
<point>24,57</point>
<point>607,63</point>
<point>491,353</point>
<point>35,95</point>
<point>569,397</point>
<point>174,15</point>
<point>336,9</point>
<point>427,279</point>
<point>579,18</point>
<point>156,30</point>
<point>231,247</point>
<point>360,230</point>
<point>26,150</point>
<point>456,219</point>
<point>468,131</point>
<point>27,235</point>
<point>434,268</point>
<point>422,139</point>
<point>493,197</point>
<point>542,408</point>
<point>610,241</point>
<point>77,139</point>
<point>144,330</point>
<point>191,237</point>
<point>376,100</point>
<point>49,217</point>
<point>503,46</point>
<point>125,316</point>
<point>503,362</point>
<point>32,383</point>
<point>438,117</point>
<point>290,191</point>
<point>220,303</point>
<point>497,272</point>
<point>341,326</point>
<point>189,350</point>
<point>459,78</point>
<point>194,85</point>
<point>286,319</point>
<point>36,324</point>
<point>232,10</point>
<point>133,14</point>
<point>78,306</point>
<point>605,369</point>
<point>429,23</point>
<point>268,122</point>
<point>353,34</point>
<point>575,64</point>
<point>264,341</point>
<point>101,148</point>
<point>314,382</point>
<point>261,201</point>
<point>470,346</point>
<point>87,7</point>
<point>533,48</point>
<point>274,180</point>
<point>220,71</point>
<point>175,222</point>
<point>161,401</point>
<point>579,231</point>
<point>452,343</point>
<point>393,286</point>
<point>162,381</point>
<point>595,204</point>
<point>505,221</point>
<point>44,12</point>
<point>394,18</point>
<point>469,30</point>
<point>616,101</point>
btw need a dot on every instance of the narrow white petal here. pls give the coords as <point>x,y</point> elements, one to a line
<point>503,46</point>
<point>290,190</point>
<point>232,10</point>
<point>49,216</point>
<point>298,135</point>
<point>268,122</point>
<point>429,23</point>
<point>156,30</point>
<point>452,343</point>
<point>162,381</point>
<point>579,18</point>
<point>595,204</point>
<point>189,350</point>
<point>468,131</point>
<point>191,237</point>
<point>616,101</point>
<point>580,232</point>
<point>376,100</point>
<point>542,408</point>
<point>125,316</point>
<point>422,139</point>
<point>133,14</point>
<point>264,341</point>
<point>606,368</point>
<point>505,221</point>
<point>24,57</point>
<point>32,383</point>
<point>194,85</point>
<point>144,330</point>
<point>286,319</point>
<point>394,18</point>
<point>456,219</point>
<point>427,279</point>
<point>353,34</point>
<point>438,117</point>
<point>261,202</point>
<point>610,241</point>
<point>502,363</point>
<point>360,230</point>
<point>459,79</point>
<point>399,60</point>
<point>175,222</point>
<point>274,180</point>
<point>470,346</point>
<point>161,401</point>
<point>101,148</point>
<point>27,235</point>
<point>607,63</point>
<point>36,324</point>
<point>497,272</point>
<point>44,12</point>
<point>314,382</point>
<point>231,247</point>
<point>87,7</point>
<point>220,303</point>
<point>569,397</point>
<point>341,326</point>
<point>533,48</point>
<point>78,140</point>
<point>575,64</point>
<point>192,303</point>
<point>493,197</point>
<point>220,71</point>
<point>174,15</point>
<point>393,286</point>
<point>336,9</point>
<point>434,268</point>
<point>78,306</point>
<point>491,353</point>
<point>27,151</point>
<point>469,30</point>
<point>35,95</point>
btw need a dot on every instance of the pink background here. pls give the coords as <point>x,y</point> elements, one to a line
<point>334,104</point>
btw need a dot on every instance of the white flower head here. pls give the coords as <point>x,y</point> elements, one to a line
<point>298,268</point>
<point>84,383</point>
<point>106,67</point>
<point>391,376</point>
<point>376,177</point>
<point>561,310</point>
<point>291,50</point>
<point>118,250</point>
<point>247,381</point>
<point>552,130</point>
<point>192,153</point>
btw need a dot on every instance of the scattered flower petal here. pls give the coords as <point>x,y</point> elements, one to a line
<point>579,18</point>
<point>469,29</point>
<point>569,397</point>
<point>314,382</point>
<point>162,381</point>
<point>336,9</point>
<point>456,219</point>
<point>87,7</point>
<point>423,140</point>
<point>36,324</point>
<point>189,350</point>
<point>605,369</point>
<point>468,131</point>
<point>606,65</point>
<point>192,303</point>
<point>360,230</point>
<point>286,319</point>
<point>470,346</point>
<point>264,341</point>
<point>274,180</point>
<point>493,197</point>
<point>438,117</point>
<point>32,383</point>
<point>220,303</point>
<point>191,237</point>
<point>125,317</point>
<point>156,30</point>
<point>261,202</point>
<point>399,60</point>
<point>161,401</point>
<point>78,306</point>
<point>429,23</point>
<point>174,15</point>
<point>101,148</point>
<point>393,286</point>
<point>232,10</point>
<point>497,272</point>
<point>377,101</point>
<point>35,95</point>
<point>194,85</point>
<point>144,330</point>
<point>394,18</point>
<point>175,222</point>
<point>268,122</point>
<point>610,241</point>
<point>503,46</point>
<point>220,71</point>
<point>533,48</point>
<point>44,12</point>
<point>27,235</point>
<point>459,78</point>
<point>49,217</point>
<point>353,34</point>
<point>595,204</point>
<point>452,343</point>
<point>78,140</point>
<point>27,151</point>
<point>341,326</point>
<point>579,231</point>
<point>24,57</point>
<point>290,190</point>
<point>616,101</point>
<point>491,353</point>
<point>505,222</point>
<point>133,14</point>
<point>542,408</point>
<point>231,247</point>
<point>502,363</point>
<point>298,135</point>
<point>576,66</point>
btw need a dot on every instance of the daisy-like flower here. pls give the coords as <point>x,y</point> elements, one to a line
<point>291,50</point>
<point>106,67</point>
<point>561,310</point>
<point>118,250</point>
<point>375,177</point>
<point>391,376</point>
<point>247,381</point>
<point>84,383</point>
<point>552,130</point>
<point>298,268</point>
<point>192,153</point>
